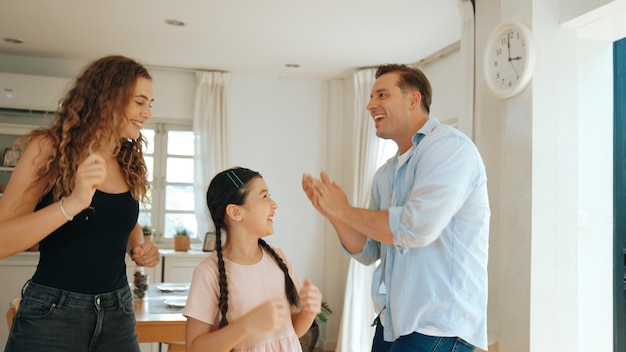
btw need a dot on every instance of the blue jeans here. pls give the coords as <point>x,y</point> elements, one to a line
<point>417,342</point>
<point>53,320</point>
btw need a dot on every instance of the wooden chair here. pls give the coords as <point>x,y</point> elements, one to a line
<point>176,347</point>
<point>15,303</point>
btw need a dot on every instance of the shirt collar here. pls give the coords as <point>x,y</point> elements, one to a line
<point>428,127</point>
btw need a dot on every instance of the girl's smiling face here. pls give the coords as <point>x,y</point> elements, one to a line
<point>259,208</point>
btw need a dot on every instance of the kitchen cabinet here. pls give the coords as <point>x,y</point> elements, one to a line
<point>14,271</point>
<point>5,174</point>
<point>8,136</point>
<point>179,266</point>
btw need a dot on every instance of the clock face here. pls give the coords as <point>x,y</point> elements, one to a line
<point>509,59</point>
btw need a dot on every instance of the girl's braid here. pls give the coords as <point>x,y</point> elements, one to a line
<point>223,301</point>
<point>290,287</point>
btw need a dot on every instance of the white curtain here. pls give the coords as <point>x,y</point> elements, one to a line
<point>466,113</point>
<point>355,332</point>
<point>210,116</point>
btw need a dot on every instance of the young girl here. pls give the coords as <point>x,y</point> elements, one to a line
<point>244,297</point>
<point>76,192</point>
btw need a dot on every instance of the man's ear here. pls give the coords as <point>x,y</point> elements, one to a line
<point>232,211</point>
<point>415,100</point>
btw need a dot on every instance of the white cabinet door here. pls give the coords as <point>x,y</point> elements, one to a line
<point>179,266</point>
<point>14,271</point>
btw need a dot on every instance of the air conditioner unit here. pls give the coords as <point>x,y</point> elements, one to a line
<point>28,92</point>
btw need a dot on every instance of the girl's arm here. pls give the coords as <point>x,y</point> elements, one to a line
<point>20,226</point>
<point>311,303</point>
<point>269,316</point>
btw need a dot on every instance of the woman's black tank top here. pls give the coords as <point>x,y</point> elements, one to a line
<point>86,255</point>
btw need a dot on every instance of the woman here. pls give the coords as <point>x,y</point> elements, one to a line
<point>76,190</point>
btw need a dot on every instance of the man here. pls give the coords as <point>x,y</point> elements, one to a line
<point>428,223</point>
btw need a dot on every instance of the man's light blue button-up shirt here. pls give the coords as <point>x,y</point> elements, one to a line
<point>433,279</point>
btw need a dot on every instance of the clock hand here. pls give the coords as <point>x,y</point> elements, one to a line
<point>508,45</point>
<point>510,62</point>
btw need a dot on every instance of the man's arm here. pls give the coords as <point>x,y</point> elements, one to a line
<point>368,223</point>
<point>353,225</point>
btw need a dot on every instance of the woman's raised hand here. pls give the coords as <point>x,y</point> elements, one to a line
<point>90,174</point>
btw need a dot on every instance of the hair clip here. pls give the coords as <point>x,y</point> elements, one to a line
<point>233,180</point>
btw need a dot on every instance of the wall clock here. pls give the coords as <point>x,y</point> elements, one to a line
<point>509,58</point>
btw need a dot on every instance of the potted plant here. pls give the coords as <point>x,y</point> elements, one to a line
<point>147,230</point>
<point>309,339</point>
<point>182,242</point>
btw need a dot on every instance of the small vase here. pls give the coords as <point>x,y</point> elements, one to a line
<point>181,243</point>
<point>141,282</point>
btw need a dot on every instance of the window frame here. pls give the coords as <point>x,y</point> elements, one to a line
<point>158,185</point>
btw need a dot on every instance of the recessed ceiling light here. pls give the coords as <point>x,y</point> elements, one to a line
<point>174,22</point>
<point>13,40</point>
<point>292,65</point>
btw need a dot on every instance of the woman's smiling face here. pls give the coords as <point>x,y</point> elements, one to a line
<point>138,110</point>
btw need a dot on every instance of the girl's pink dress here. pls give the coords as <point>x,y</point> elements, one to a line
<point>248,287</point>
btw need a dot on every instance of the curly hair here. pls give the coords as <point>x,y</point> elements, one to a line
<point>89,117</point>
<point>231,187</point>
<point>411,78</point>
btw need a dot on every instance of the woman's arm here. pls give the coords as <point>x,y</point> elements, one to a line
<point>143,253</point>
<point>20,226</point>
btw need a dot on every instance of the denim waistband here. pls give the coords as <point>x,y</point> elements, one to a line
<point>73,299</point>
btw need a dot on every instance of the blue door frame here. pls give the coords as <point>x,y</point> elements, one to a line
<point>619,195</point>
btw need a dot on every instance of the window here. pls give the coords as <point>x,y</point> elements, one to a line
<point>169,158</point>
<point>389,149</point>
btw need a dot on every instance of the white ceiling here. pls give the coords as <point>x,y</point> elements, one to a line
<point>327,38</point>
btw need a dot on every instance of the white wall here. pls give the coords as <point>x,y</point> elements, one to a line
<point>548,156</point>
<point>595,191</point>
<point>174,94</point>
<point>444,75</point>
<point>284,128</point>
<point>276,128</point>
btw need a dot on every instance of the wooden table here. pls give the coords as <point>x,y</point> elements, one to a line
<point>156,323</point>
